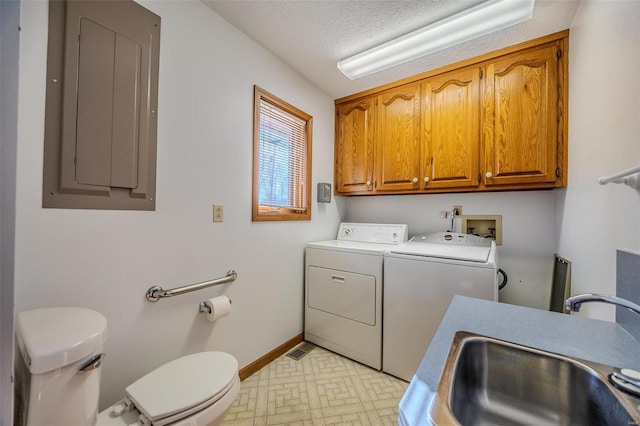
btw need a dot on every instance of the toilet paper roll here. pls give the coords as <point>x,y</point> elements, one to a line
<point>219,306</point>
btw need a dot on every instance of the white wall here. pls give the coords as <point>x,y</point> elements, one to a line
<point>106,260</point>
<point>528,227</point>
<point>604,138</point>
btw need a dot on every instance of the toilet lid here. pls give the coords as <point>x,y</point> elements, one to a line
<point>194,380</point>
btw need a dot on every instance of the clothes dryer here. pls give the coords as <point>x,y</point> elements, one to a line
<point>343,290</point>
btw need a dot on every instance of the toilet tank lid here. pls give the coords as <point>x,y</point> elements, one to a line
<point>51,338</point>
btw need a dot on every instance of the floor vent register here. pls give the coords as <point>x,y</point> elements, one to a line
<point>301,351</point>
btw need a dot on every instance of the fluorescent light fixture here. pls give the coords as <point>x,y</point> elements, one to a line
<point>479,20</point>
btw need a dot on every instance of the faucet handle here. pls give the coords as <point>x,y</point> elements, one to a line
<point>628,375</point>
<point>626,380</point>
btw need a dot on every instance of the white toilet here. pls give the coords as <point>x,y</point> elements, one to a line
<point>59,353</point>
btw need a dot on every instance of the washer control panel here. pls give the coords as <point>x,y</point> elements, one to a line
<point>373,233</point>
<point>453,238</point>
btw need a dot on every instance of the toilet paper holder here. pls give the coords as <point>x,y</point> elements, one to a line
<point>203,308</point>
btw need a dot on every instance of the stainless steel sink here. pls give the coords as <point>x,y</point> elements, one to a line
<point>488,381</point>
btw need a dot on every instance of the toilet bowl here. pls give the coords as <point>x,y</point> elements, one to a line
<point>58,370</point>
<point>196,389</point>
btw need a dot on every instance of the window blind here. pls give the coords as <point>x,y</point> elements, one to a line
<point>283,154</point>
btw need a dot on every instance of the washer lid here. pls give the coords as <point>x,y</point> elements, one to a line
<point>51,338</point>
<point>183,383</point>
<point>444,251</point>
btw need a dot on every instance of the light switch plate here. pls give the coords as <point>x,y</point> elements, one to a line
<point>218,212</point>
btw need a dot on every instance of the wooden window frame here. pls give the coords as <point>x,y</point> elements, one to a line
<point>260,212</point>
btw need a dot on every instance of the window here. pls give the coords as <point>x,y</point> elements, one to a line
<point>281,160</point>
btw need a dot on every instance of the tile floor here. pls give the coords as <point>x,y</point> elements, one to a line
<point>322,388</point>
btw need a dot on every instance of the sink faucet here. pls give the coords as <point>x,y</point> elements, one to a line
<point>625,379</point>
<point>574,303</point>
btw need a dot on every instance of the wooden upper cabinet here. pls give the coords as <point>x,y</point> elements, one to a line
<point>398,139</point>
<point>451,129</point>
<point>520,122</point>
<point>492,123</point>
<point>355,127</point>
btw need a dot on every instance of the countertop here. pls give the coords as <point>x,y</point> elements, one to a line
<point>588,339</point>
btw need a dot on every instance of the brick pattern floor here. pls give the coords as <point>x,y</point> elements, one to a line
<point>320,389</point>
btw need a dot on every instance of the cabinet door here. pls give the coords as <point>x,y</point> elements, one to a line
<point>520,121</point>
<point>354,146</point>
<point>398,139</point>
<point>452,129</point>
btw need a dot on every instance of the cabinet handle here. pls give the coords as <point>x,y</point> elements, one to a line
<point>488,174</point>
<point>337,278</point>
<point>426,179</point>
<point>368,183</point>
<point>415,180</point>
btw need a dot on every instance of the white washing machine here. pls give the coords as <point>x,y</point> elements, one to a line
<point>420,279</point>
<point>343,290</point>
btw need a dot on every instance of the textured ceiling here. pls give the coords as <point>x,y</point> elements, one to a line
<point>311,36</point>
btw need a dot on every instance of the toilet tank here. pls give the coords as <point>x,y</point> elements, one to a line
<point>57,366</point>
